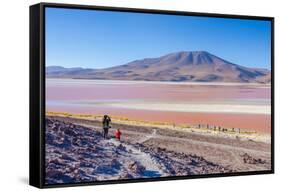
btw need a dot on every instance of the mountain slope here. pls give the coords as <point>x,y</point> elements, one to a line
<point>199,66</point>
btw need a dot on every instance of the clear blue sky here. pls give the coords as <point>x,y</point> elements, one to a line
<point>100,39</point>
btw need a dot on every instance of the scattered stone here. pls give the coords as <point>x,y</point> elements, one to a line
<point>251,160</point>
<point>121,147</point>
<point>136,167</point>
<point>125,175</point>
<point>75,154</point>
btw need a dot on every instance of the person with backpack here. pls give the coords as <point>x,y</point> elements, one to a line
<point>106,125</point>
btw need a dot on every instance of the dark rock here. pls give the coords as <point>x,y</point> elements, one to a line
<point>121,147</point>
<point>251,160</point>
<point>136,168</point>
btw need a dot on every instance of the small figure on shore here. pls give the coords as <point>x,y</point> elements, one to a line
<point>106,125</point>
<point>118,134</point>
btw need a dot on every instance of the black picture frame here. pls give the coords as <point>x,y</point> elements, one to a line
<point>37,93</point>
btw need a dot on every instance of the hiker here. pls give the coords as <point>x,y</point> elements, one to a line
<point>105,122</point>
<point>118,134</point>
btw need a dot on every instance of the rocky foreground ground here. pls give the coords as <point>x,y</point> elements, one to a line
<point>77,153</point>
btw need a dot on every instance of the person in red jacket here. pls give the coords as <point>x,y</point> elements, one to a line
<point>118,134</point>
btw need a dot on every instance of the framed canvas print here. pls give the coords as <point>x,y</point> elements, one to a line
<point>122,95</point>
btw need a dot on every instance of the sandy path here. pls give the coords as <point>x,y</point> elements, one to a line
<point>147,137</point>
<point>152,168</point>
<point>77,149</point>
<point>231,149</point>
<point>232,152</point>
<point>216,145</point>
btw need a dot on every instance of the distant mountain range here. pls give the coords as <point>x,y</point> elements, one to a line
<point>193,66</point>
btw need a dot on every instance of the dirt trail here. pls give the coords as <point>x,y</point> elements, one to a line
<point>147,137</point>
<point>76,151</point>
<point>152,169</point>
<point>221,146</point>
<point>212,149</point>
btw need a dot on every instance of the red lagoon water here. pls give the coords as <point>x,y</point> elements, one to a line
<point>147,91</point>
<point>59,93</point>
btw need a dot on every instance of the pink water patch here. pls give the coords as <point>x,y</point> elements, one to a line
<point>60,93</point>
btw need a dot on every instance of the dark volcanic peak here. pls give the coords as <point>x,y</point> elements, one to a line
<point>182,58</point>
<point>200,66</point>
<point>192,57</point>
